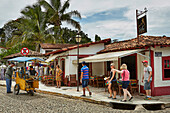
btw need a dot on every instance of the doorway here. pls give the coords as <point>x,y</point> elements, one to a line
<point>131,63</point>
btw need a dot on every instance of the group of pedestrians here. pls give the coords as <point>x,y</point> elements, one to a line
<point>125,74</point>
<point>112,83</point>
<point>112,80</point>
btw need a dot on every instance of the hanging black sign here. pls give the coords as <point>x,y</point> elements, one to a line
<point>142,25</point>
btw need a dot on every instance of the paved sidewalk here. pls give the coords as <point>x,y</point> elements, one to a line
<point>98,94</point>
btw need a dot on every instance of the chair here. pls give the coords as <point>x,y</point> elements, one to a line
<point>73,79</point>
<point>134,85</point>
<point>49,79</point>
<point>66,81</point>
<point>106,86</point>
<point>100,80</point>
<point>120,87</point>
<point>91,81</point>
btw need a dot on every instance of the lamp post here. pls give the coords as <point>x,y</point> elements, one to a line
<point>78,39</point>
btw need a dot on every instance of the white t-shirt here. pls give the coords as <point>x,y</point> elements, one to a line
<point>147,71</point>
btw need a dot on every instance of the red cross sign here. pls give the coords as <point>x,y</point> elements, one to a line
<point>24,51</point>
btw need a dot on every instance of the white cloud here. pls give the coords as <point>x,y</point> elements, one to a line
<point>10,9</point>
<point>110,29</point>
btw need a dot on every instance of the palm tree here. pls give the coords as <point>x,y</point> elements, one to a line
<point>57,13</point>
<point>32,27</point>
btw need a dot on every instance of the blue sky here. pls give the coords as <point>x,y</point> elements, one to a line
<point>115,14</point>
<point>108,18</point>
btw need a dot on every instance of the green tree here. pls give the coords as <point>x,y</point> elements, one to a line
<point>56,13</point>
<point>97,38</point>
<point>32,28</point>
<point>69,36</point>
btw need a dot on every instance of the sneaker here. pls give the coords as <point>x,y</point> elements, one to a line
<point>10,92</point>
<point>147,98</point>
<point>82,95</point>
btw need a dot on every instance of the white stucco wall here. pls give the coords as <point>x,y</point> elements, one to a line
<point>98,68</point>
<point>140,67</point>
<point>42,51</point>
<point>92,49</point>
<point>158,82</point>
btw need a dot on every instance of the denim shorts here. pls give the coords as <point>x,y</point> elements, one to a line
<point>125,84</point>
<point>147,85</point>
<point>85,83</point>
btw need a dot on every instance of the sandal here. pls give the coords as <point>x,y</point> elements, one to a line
<point>131,98</point>
<point>90,93</point>
<point>110,97</point>
<point>123,100</point>
<point>114,98</point>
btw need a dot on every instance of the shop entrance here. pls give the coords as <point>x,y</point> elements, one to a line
<point>131,63</point>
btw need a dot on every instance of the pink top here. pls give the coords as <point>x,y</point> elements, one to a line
<point>125,75</point>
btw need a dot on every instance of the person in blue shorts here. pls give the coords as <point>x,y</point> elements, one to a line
<point>85,78</point>
<point>147,78</point>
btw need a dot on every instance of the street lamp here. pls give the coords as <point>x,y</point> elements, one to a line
<point>78,39</point>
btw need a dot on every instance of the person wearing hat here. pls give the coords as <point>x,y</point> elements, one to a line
<point>85,78</point>
<point>147,77</point>
<point>8,77</point>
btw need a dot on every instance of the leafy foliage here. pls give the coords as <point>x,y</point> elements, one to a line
<point>56,13</point>
<point>97,38</point>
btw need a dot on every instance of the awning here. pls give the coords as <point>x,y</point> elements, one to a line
<point>111,56</point>
<point>51,58</point>
<point>55,56</point>
<point>25,59</point>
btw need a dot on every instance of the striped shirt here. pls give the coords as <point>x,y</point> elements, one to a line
<point>85,71</point>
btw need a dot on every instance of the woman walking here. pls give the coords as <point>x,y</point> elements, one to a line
<point>112,82</point>
<point>58,76</point>
<point>125,82</point>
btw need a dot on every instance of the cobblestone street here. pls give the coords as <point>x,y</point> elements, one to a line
<point>44,103</point>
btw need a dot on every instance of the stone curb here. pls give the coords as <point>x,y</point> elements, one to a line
<point>71,97</point>
<point>108,104</point>
<point>75,97</point>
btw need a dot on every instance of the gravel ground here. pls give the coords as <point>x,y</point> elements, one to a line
<point>44,103</point>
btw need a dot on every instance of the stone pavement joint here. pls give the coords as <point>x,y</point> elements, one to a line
<point>75,97</point>
<point>98,97</point>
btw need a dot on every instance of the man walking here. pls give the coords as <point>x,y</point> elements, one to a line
<point>85,78</point>
<point>8,76</point>
<point>147,77</point>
